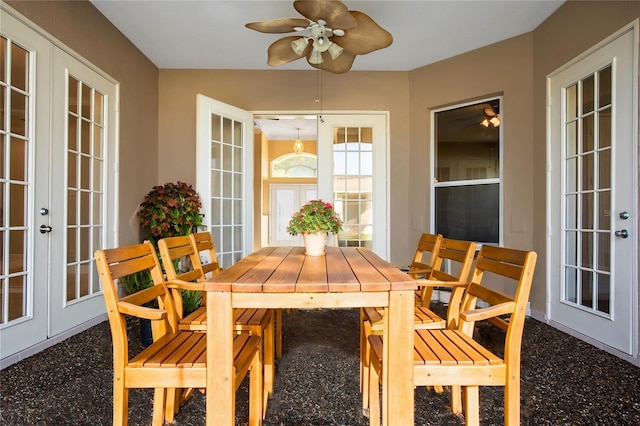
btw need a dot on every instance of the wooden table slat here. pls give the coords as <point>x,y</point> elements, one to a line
<point>339,273</point>
<point>284,278</point>
<point>313,275</point>
<point>400,280</point>
<point>223,280</point>
<point>370,278</point>
<point>253,280</point>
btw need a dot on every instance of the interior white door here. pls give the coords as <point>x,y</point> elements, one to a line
<point>593,195</point>
<point>82,206</point>
<point>25,82</point>
<point>352,173</point>
<point>225,175</point>
<point>285,200</point>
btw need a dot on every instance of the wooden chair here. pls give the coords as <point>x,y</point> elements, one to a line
<point>258,322</point>
<point>459,255</point>
<point>452,357</point>
<point>176,359</point>
<point>421,267</point>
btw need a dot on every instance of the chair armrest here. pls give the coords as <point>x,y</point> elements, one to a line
<point>141,311</point>
<point>437,283</point>
<point>489,312</point>
<point>185,285</point>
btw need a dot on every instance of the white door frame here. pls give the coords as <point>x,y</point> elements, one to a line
<point>624,102</point>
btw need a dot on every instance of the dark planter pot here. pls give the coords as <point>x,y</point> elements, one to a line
<point>146,337</point>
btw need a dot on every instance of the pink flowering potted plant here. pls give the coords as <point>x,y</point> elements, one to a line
<point>314,221</point>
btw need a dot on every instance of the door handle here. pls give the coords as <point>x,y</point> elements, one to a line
<point>622,233</point>
<point>45,229</point>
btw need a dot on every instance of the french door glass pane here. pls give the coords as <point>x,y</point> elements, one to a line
<point>15,186</point>
<point>353,184</point>
<point>84,177</point>
<point>588,252</point>
<point>226,176</point>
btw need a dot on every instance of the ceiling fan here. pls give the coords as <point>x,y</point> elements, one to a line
<point>491,117</point>
<point>330,35</point>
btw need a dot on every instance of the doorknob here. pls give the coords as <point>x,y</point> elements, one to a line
<point>45,228</point>
<point>624,215</point>
<point>623,233</point>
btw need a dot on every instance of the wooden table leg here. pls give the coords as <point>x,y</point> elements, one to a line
<point>220,399</point>
<point>397,374</point>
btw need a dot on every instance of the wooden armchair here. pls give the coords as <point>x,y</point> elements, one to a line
<point>421,267</point>
<point>459,255</point>
<point>452,357</point>
<point>258,322</point>
<point>176,359</point>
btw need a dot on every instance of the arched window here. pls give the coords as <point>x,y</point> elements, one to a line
<point>295,166</point>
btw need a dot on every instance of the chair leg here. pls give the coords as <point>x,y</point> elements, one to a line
<point>512,402</point>
<point>269,361</point>
<point>366,364</point>
<point>362,344</point>
<point>471,405</point>
<point>374,392</point>
<point>456,400</point>
<point>172,404</point>
<point>278,333</point>
<point>120,403</point>
<point>159,397</point>
<point>256,391</point>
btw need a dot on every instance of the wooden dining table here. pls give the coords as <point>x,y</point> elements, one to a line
<point>284,277</point>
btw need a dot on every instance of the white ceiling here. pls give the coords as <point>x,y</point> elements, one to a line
<point>210,34</point>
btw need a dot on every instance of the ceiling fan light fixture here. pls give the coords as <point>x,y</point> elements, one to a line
<point>299,45</point>
<point>495,121</point>
<point>485,122</point>
<point>335,50</point>
<point>315,57</point>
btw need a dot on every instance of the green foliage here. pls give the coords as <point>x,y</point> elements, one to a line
<point>136,282</point>
<point>170,210</point>
<point>315,216</point>
<point>191,300</point>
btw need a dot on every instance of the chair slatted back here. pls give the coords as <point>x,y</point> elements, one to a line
<point>202,242</point>
<point>516,265</point>
<point>113,264</point>
<point>462,253</point>
<point>177,248</point>
<point>428,245</point>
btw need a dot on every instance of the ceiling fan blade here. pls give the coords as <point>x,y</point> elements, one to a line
<point>366,37</point>
<point>280,51</point>
<point>333,12</point>
<point>339,65</point>
<point>278,26</point>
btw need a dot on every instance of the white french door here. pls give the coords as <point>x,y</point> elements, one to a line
<point>285,200</point>
<point>82,185</point>
<point>57,187</point>
<point>593,195</point>
<point>352,173</point>
<point>225,176</point>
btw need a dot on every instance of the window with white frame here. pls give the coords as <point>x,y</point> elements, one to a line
<point>467,181</point>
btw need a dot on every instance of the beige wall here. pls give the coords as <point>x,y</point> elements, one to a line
<point>80,26</point>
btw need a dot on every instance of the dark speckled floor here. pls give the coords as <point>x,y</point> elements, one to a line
<point>564,382</point>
